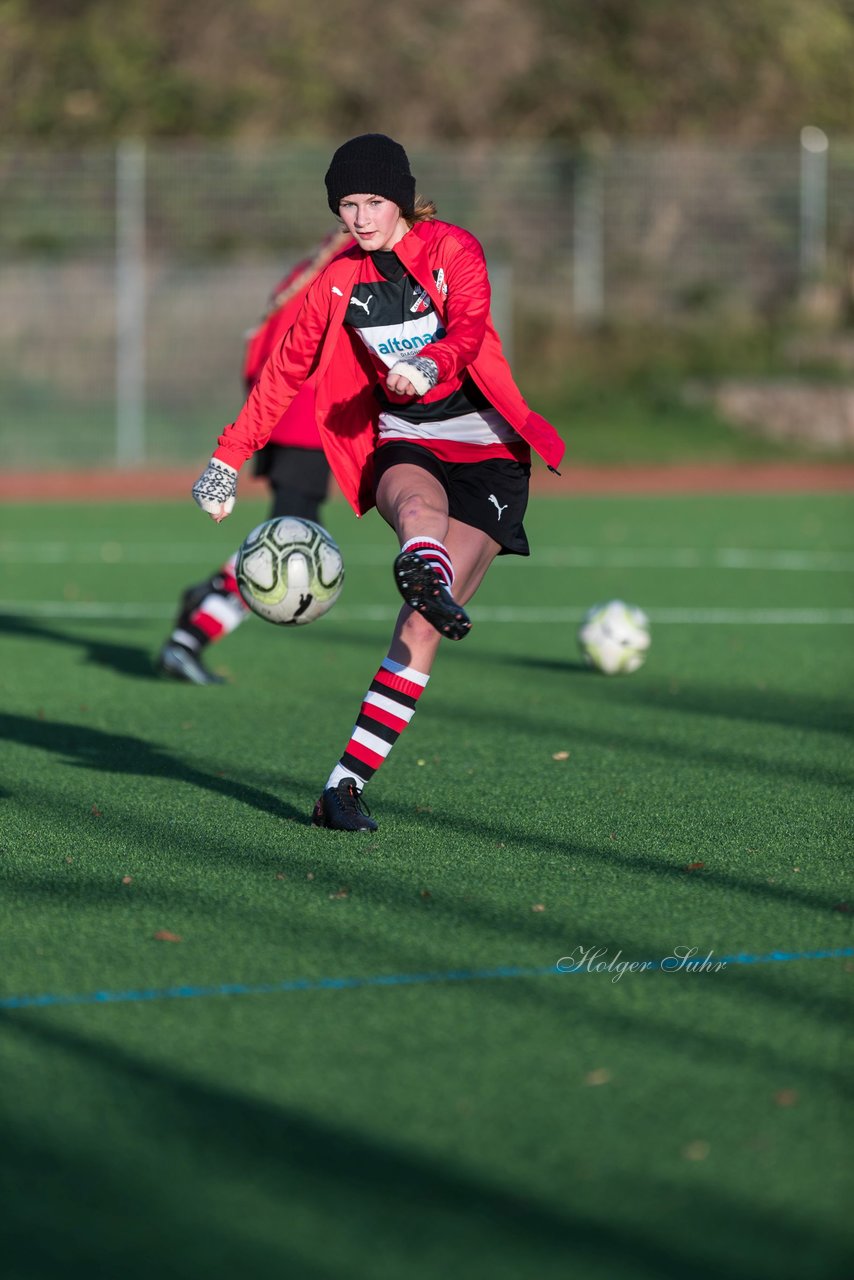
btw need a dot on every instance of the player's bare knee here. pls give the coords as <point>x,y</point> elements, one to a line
<point>414,506</point>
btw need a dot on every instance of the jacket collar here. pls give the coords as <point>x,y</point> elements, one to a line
<point>414,253</point>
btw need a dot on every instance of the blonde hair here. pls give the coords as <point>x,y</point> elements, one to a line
<point>423,210</point>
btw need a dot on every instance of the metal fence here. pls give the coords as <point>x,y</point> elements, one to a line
<point>130,275</point>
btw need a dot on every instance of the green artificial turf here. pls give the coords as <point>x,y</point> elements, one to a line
<point>652,1125</point>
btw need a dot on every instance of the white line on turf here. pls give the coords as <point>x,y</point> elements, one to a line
<point>154,553</point>
<point>82,609</point>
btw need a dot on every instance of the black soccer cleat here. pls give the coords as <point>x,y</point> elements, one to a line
<point>423,589</point>
<point>341,808</point>
<point>182,664</point>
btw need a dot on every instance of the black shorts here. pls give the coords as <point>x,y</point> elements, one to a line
<point>299,479</point>
<point>491,495</point>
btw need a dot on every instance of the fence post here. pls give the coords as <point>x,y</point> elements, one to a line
<point>588,241</point>
<point>813,222</point>
<point>130,302</point>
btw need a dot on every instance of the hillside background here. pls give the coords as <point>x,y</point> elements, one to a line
<point>665,192</point>
<point>85,70</point>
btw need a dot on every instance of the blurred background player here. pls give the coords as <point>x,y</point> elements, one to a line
<point>293,462</point>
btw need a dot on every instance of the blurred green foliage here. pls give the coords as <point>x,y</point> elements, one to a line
<point>87,70</point>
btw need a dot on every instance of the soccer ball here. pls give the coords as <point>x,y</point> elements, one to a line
<point>289,571</point>
<point>614,637</point>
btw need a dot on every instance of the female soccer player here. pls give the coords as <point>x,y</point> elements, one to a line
<point>418,414</point>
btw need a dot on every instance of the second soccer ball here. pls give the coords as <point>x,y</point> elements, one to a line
<point>614,637</point>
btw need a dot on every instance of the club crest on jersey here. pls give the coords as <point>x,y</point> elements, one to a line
<point>422,302</point>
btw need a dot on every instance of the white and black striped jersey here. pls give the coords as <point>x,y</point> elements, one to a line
<point>395,317</point>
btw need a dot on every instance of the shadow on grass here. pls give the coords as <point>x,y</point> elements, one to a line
<point>506,719</point>
<point>730,1018</point>
<point>125,659</point>
<point>504,930</point>
<point>169,1156</point>
<point>784,707</point>
<point>772,706</point>
<point>88,748</point>
<point>122,753</point>
<point>141,663</point>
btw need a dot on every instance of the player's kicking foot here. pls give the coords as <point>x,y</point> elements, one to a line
<point>423,590</point>
<point>180,663</point>
<point>341,808</point>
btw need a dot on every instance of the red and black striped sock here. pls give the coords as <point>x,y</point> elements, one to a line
<point>388,707</point>
<point>213,610</point>
<point>435,553</point>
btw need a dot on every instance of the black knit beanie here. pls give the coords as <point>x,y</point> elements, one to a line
<point>371,164</point>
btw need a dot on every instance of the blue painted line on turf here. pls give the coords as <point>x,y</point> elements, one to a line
<point>53,1000</point>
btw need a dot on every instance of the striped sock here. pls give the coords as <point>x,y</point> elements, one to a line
<point>388,707</point>
<point>436,555</point>
<point>217,614</point>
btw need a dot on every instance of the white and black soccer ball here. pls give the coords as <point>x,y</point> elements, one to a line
<point>614,637</point>
<point>289,571</point>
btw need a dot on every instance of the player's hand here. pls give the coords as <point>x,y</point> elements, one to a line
<point>413,377</point>
<point>216,489</point>
<point>399,385</point>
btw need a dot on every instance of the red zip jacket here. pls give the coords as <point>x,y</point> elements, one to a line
<point>449,263</point>
<point>297,427</point>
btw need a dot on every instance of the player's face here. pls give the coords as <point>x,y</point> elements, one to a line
<point>376,223</point>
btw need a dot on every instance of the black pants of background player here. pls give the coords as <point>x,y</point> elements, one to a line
<point>299,479</point>
<point>210,610</point>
